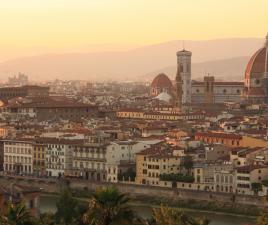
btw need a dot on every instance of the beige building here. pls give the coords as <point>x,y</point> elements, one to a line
<point>58,155</point>
<point>89,161</point>
<point>249,141</point>
<point>153,162</point>
<point>123,152</point>
<point>247,175</point>
<point>39,159</point>
<point>224,181</point>
<point>216,151</point>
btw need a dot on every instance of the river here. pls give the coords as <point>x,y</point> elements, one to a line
<point>48,204</point>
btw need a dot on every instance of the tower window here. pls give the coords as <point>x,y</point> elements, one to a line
<point>181,67</point>
<point>238,91</point>
<point>224,91</point>
<point>197,90</point>
<point>188,68</point>
<point>257,81</point>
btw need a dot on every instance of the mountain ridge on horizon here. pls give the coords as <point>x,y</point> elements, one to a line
<point>131,64</point>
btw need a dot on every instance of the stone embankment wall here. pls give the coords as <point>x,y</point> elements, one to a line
<point>55,186</point>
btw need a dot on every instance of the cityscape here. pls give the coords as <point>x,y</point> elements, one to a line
<point>183,141</point>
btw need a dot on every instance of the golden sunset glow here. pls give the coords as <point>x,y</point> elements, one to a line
<point>67,24</point>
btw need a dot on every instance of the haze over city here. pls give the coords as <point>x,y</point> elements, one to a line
<point>74,39</point>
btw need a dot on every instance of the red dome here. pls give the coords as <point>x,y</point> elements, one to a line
<point>256,64</point>
<point>161,81</point>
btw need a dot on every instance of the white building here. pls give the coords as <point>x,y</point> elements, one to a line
<point>18,156</point>
<point>58,155</point>
<point>184,68</point>
<point>123,152</point>
<point>219,92</point>
<point>89,161</point>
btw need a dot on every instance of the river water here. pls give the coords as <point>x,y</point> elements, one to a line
<point>48,204</point>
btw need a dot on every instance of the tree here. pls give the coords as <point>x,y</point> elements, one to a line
<point>129,174</point>
<point>188,163</point>
<point>177,178</point>
<point>67,208</point>
<point>16,215</point>
<point>256,187</point>
<point>262,219</point>
<point>171,216</point>
<point>199,221</point>
<point>46,219</point>
<point>108,207</point>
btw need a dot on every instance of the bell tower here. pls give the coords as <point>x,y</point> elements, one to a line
<point>209,89</point>
<point>183,77</point>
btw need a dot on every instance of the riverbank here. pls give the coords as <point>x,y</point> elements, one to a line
<point>175,197</point>
<point>144,210</point>
<point>190,205</point>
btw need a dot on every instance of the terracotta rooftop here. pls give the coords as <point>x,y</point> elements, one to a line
<point>161,81</point>
<point>219,135</point>
<point>256,64</point>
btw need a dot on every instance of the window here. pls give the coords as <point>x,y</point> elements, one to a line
<point>31,204</point>
<point>181,67</point>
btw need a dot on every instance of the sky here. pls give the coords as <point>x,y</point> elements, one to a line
<point>42,26</point>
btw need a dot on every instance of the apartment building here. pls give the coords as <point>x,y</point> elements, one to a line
<point>122,152</point>
<point>39,159</point>
<point>153,162</point>
<point>59,155</point>
<point>18,156</point>
<point>88,161</point>
<point>247,175</point>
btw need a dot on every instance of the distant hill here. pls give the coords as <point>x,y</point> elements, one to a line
<point>232,69</point>
<point>222,57</point>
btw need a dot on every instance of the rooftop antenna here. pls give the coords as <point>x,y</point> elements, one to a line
<point>183,45</point>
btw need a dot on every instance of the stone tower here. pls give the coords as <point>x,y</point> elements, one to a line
<point>209,90</point>
<point>183,77</point>
<point>178,88</point>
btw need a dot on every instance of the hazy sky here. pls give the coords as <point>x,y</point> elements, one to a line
<point>39,26</point>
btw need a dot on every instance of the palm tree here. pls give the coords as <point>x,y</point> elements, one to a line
<point>169,216</point>
<point>108,207</point>
<point>262,219</point>
<point>16,215</point>
<point>199,221</point>
<point>46,219</point>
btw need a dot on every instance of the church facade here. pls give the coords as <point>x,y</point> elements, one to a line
<point>210,91</point>
<point>185,91</point>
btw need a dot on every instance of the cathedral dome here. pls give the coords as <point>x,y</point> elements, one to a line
<point>161,81</point>
<point>256,64</point>
<point>256,76</point>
